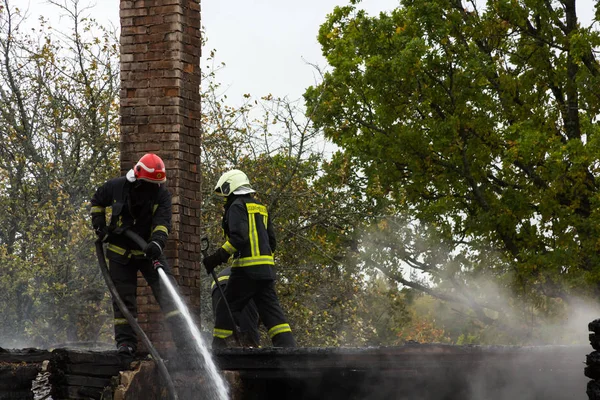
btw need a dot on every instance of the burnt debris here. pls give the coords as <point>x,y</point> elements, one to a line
<point>412,371</point>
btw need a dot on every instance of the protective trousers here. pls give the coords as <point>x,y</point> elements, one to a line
<point>248,319</point>
<point>240,289</point>
<point>124,277</point>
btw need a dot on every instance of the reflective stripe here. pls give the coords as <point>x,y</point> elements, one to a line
<point>97,209</point>
<point>121,321</point>
<point>220,279</point>
<point>116,249</point>
<point>249,261</point>
<point>229,247</point>
<point>277,329</point>
<point>172,314</point>
<point>154,208</point>
<point>222,333</point>
<point>121,251</point>
<point>254,208</point>
<point>253,236</point>
<point>161,228</point>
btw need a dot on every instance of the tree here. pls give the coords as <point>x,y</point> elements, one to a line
<point>58,120</point>
<point>478,126</point>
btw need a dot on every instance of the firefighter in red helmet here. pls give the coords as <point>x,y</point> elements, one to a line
<point>141,203</point>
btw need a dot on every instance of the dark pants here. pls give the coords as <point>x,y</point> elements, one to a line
<point>239,291</point>
<point>124,276</point>
<point>248,318</point>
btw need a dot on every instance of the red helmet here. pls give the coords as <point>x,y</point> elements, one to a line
<point>150,168</point>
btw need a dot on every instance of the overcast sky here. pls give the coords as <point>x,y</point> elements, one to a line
<point>266,44</point>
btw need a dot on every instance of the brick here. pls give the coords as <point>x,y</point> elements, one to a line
<point>133,30</point>
<point>126,22</point>
<point>164,46</point>
<point>131,49</point>
<point>134,84</point>
<point>148,20</point>
<point>167,9</point>
<point>133,102</point>
<point>164,28</point>
<point>179,18</point>
<point>165,101</point>
<point>133,12</point>
<point>148,110</point>
<point>165,82</point>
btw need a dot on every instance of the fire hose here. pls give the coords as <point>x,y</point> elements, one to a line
<point>162,369</point>
<point>204,245</point>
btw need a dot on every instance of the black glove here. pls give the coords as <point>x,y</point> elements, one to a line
<point>153,250</point>
<point>214,260</point>
<point>100,228</point>
<point>102,232</point>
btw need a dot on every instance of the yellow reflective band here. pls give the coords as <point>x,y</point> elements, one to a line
<point>116,249</point>
<point>229,247</point>
<point>222,333</point>
<point>265,220</point>
<point>97,209</point>
<point>220,279</point>
<point>121,321</point>
<point>161,228</point>
<point>172,314</point>
<point>277,329</point>
<point>137,252</point>
<point>253,236</point>
<point>154,208</point>
<point>250,261</point>
<point>256,209</point>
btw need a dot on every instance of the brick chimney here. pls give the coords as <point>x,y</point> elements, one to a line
<point>160,113</point>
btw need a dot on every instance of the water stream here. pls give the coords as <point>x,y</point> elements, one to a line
<point>218,390</point>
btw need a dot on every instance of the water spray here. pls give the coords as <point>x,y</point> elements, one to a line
<point>216,379</point>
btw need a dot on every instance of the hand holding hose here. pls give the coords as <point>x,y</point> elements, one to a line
<point>153,250</point>
<point>214,260</point>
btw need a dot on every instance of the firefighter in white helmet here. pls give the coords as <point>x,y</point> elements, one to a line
<point>250,242</point>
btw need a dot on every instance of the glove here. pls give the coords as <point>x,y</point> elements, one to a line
<point>100,228</point>
<point>103,232</point>
<point>153,250</point>
<point>214,260</point>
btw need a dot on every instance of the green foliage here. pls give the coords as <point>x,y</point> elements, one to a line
<point>59,125</point>
<point>479,127</point>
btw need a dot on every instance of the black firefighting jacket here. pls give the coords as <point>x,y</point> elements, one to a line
<point>250,237</point>
<point>142,207</point>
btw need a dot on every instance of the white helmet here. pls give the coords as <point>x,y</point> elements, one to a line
<point>234,181</point>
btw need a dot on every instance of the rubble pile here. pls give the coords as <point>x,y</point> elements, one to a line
<point>18,368</point>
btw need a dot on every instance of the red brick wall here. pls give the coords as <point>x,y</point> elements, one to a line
<point>160,112</point>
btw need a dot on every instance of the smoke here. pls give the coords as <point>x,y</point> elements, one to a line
<point>468,293</point>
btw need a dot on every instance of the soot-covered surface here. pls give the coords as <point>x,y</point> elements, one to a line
<point>413,371</point>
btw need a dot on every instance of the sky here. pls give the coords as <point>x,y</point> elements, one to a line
<point>267,45</point>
